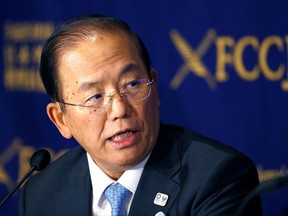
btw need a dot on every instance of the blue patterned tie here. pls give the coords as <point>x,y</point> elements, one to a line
<point>117,196</point>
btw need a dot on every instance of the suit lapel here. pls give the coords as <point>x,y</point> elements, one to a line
<point>159,176</point>
<point>75,196</point>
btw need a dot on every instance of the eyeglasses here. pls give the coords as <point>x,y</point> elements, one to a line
<point>133,91</point>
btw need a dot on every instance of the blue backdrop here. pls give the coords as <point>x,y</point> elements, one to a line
<point>222,65</point>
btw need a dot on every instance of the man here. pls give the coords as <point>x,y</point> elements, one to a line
<point>104,94</point>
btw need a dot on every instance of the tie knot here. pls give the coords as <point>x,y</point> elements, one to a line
<point>117,196</point>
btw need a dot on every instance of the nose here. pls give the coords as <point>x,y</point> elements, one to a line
<point>118,107</point>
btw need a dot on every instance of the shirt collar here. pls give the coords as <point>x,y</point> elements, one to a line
<point>129,179</point>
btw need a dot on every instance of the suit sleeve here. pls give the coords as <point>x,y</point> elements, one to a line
<point>225,188</point>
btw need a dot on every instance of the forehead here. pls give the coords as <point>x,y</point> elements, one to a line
<point>74,40</point>
<point>98,44</point>
<point>99,56</point>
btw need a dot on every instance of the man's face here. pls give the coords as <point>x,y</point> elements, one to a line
<point>126,132</point>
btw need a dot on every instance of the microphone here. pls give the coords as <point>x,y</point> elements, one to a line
<point>39,160</point>
<point>264,187</point>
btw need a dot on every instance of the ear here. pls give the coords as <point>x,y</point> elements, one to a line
<point>57,116</point>
<point>155,83</point>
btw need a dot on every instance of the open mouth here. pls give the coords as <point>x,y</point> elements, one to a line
<point>122,136</point>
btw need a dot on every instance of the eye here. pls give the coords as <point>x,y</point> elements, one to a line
<point>96,98</point>
<point>133,84</point>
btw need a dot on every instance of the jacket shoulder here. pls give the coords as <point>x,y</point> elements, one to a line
<point>59,169</point>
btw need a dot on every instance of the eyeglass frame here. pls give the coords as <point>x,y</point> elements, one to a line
<point>120,92</point>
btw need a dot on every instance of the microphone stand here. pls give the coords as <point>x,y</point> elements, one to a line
<point>31,170</point>
<point>39,160</point>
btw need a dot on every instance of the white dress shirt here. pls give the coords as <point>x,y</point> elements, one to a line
<point>129,179</point>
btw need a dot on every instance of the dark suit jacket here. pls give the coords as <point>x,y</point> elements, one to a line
<point>199,175</point>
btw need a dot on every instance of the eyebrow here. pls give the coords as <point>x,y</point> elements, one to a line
<point>87,85</point>
<point>128,68</point>
<point>91,84</point>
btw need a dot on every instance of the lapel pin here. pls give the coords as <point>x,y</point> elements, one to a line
<point>161,199</point>
<point>160,214</point>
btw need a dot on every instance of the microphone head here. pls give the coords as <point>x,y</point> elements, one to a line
<point>40,159</point>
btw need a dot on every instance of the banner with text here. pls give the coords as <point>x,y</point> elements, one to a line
<point>222,67</point>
